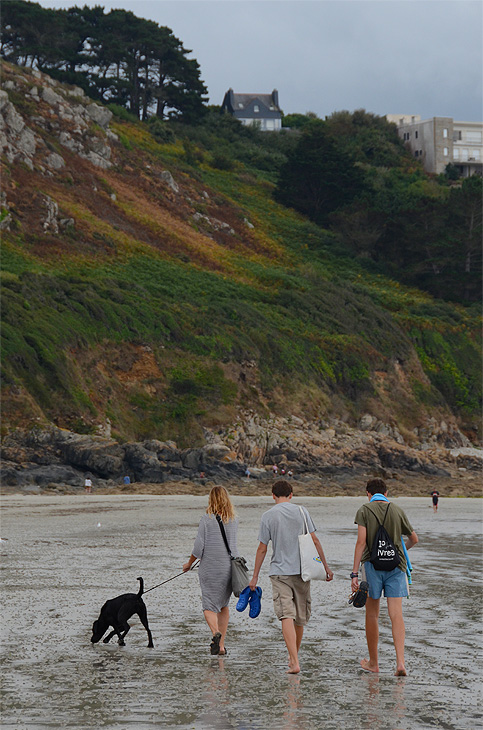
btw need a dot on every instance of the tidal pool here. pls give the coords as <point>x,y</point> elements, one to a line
<point>63,557</point>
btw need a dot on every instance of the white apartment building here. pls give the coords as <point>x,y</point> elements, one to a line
<point>440,140</point>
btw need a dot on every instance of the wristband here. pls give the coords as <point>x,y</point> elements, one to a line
<point>354,575</point>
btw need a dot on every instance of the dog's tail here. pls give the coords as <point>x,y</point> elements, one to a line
<point>141,587</point>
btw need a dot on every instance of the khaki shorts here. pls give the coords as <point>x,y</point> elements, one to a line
<point>291,598</point>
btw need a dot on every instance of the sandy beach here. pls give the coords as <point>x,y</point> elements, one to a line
<point>64,556</point>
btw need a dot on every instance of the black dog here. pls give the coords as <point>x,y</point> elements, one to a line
<point>116,612</point>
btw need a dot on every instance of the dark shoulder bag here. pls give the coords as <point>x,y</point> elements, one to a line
<point>239,569</point>
<point>384,554</point>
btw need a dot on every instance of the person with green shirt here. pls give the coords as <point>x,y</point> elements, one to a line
<point>392,582</point>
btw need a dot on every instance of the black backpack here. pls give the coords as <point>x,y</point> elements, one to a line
<point>384,554</point>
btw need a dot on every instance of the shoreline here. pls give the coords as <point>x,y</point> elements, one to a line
<point>400,485</point>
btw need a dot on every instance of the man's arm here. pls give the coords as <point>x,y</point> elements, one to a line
<point>412,540</point>
<point>359,549</point>
<point>259,558</point>
<point>318,547</point>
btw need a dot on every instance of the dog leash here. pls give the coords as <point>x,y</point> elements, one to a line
<point>195,565</point>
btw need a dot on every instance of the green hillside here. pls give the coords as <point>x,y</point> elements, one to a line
<point>165,310</point>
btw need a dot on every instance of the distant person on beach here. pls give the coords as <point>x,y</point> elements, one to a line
<point>282,524</point>
<point>393,582</point>
<point>215,564</point>
<point>435,497</point>
<point>275,470</point>
<point>88,485</point>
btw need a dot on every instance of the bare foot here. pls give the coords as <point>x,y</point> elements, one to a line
<point>368,667</point>
<point>400,672</point>
<point>293,666</point>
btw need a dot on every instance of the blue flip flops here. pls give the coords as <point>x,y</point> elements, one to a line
<point>255,602</point>
<point>243,599</point>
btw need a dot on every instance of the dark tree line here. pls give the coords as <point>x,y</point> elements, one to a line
<point>319,176</point>
<point>115,57</point>
<point>352,174</point>
<point>431,242</point>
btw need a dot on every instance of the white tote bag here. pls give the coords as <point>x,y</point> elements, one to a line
<point>311,566</point>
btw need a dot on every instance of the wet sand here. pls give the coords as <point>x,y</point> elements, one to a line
<point>63,556</point>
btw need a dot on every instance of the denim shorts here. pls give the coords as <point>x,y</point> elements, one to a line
<point>393,582</point>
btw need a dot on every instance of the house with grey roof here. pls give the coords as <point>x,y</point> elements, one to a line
<point>261,110</point>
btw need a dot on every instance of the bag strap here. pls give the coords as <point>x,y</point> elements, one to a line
<point>305,521</point>
<point>223,534</point>
<point>381,524</point>
<point>385,514</point>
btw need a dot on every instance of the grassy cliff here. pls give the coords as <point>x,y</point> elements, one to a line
<point>168,304</point>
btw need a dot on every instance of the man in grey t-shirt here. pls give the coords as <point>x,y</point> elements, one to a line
<point>282,524</point>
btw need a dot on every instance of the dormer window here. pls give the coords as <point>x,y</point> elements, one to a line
<point>256,108</point>
<point>240,105</point>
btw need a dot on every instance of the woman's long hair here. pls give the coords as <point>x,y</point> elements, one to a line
<point>219,503</point>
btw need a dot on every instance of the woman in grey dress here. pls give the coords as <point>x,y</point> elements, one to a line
<point>215,564</point>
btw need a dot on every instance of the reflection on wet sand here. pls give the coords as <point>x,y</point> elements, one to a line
<point>376,706</point>
<point>216,697</point>
<point>59,567</point>
<point>219,709</point>
<point>292,716</point>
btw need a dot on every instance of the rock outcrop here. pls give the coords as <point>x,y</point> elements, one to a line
<point>53,455</point>
<point>327,447</point>
<point>85,124</point>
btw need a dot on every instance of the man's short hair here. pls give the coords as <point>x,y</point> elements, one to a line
<point>376,486</point>
<point>282,488</point>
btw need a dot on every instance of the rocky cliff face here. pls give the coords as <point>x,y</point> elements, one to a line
<point>308,450</point>
<point>67,114</point>
<point>324,444</point>
<point>59,149</point>
<point>49,128</point>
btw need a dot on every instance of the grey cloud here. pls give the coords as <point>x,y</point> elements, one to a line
<point>414,56</point>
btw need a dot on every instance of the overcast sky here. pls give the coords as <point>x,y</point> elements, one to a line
<point>386,56</point>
